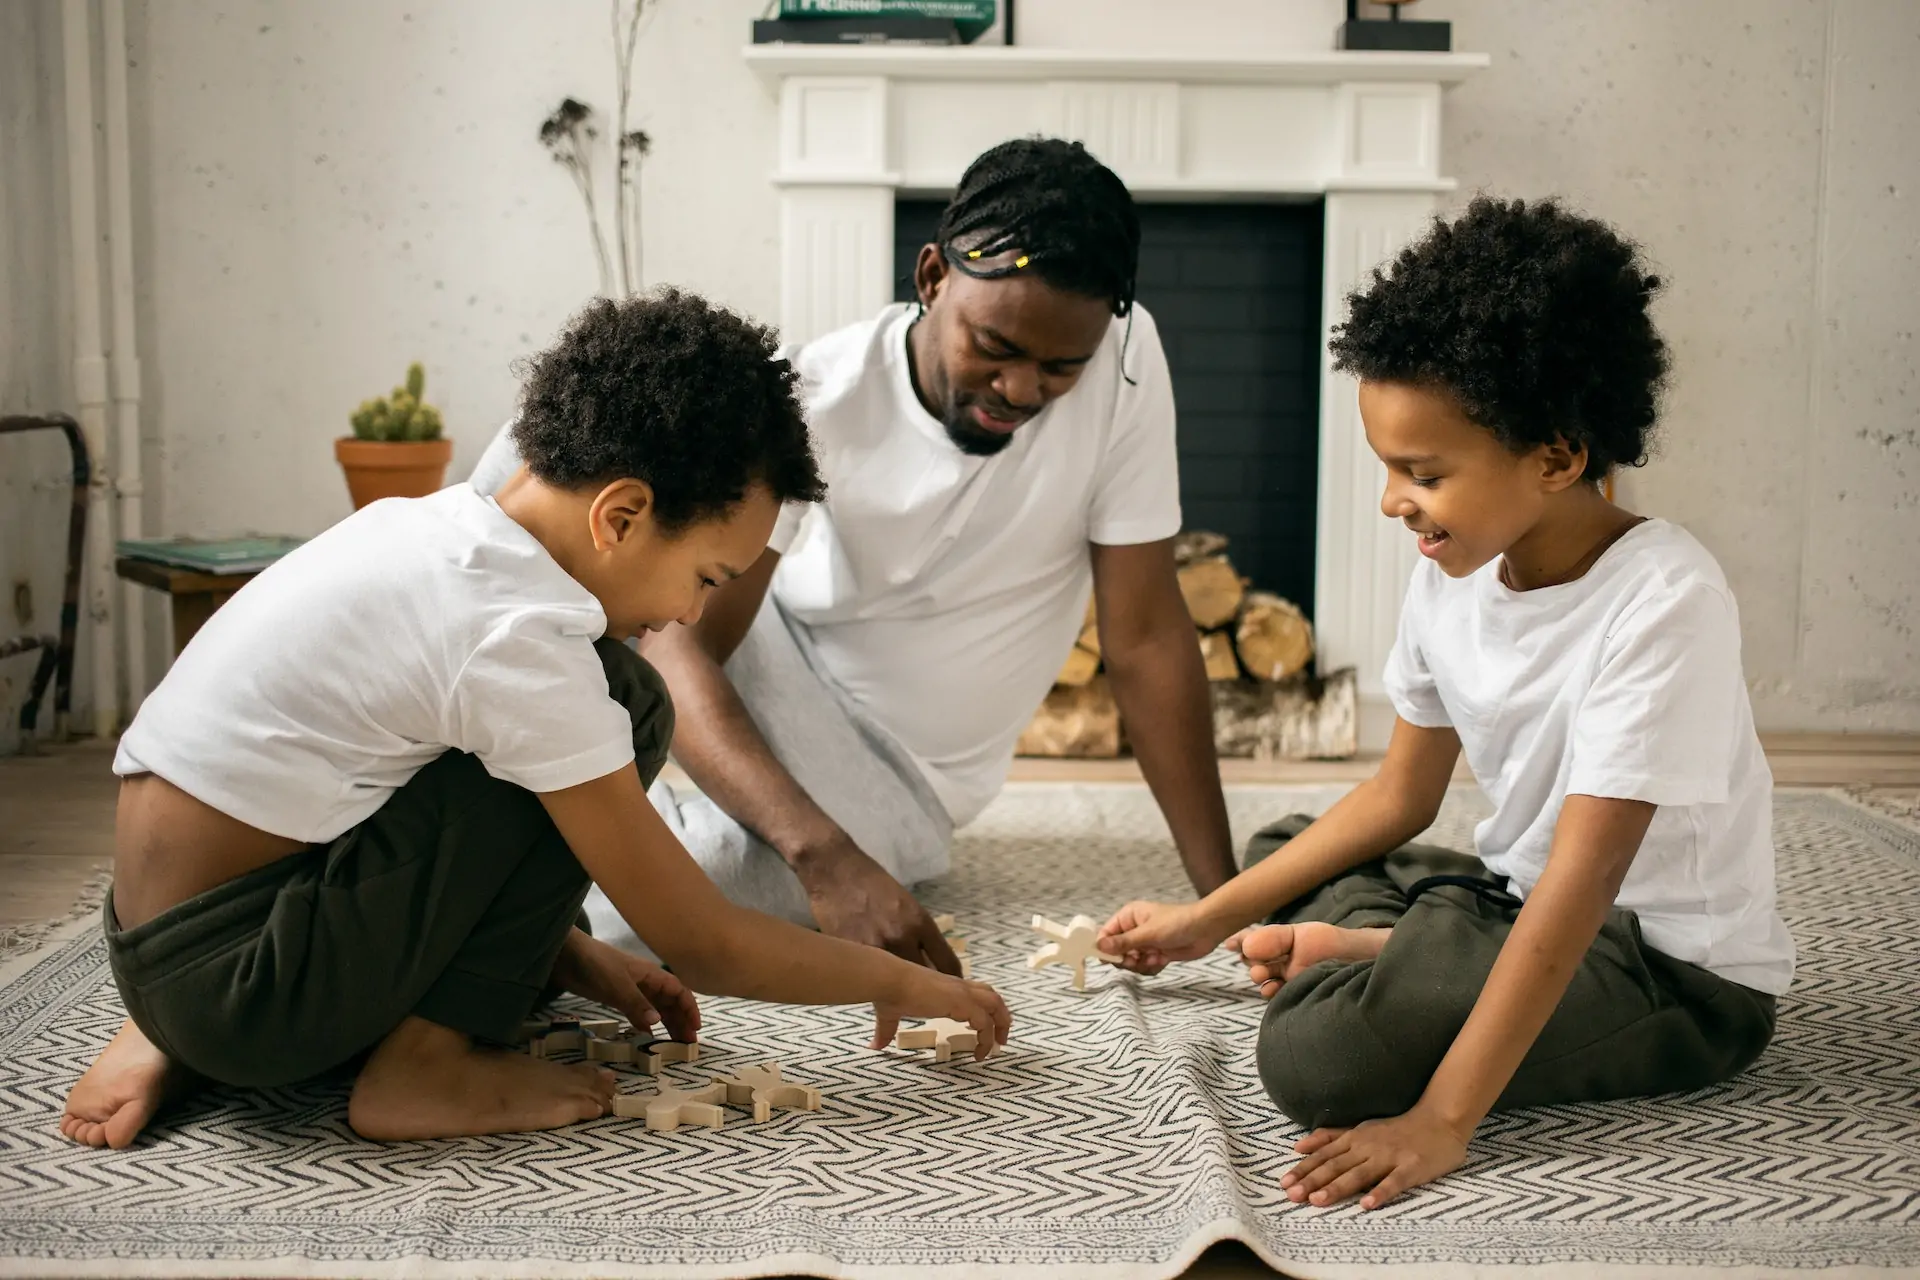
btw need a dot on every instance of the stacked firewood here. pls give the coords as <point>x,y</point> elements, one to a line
<point>1258,651</point>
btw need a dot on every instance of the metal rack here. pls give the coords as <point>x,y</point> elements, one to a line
<point>56,653</point>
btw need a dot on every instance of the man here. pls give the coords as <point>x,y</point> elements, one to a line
<point>990,452</point>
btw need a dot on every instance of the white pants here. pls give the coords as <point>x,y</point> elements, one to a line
<point>856,773</point>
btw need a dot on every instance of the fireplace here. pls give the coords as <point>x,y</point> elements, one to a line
<point>1351,137</point>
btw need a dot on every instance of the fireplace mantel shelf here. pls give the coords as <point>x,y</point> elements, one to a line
<point>774,62</point>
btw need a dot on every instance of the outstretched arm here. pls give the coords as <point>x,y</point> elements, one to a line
<point>719,948</point>
<point>1382,813</point>
<point>716,741</point>
<point>1160,683</point>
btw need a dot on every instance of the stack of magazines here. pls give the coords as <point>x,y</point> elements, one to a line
<point>222,555</point>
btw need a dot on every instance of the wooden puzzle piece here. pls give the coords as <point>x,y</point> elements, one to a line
<point>667,1108</point>
<point>1074,943</point>
<point>603,1049</point>
<point>673,1050</point>
<point>944,923</point>
<point>600,1026</point>
<point>763,1088</point>
<point>942,1035</point>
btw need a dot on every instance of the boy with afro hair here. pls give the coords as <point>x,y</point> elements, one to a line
<point>358,818</point>
<point>1616,934</point>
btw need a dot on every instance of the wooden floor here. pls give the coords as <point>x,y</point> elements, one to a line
<point>56,809</point>
<point>56,830</point>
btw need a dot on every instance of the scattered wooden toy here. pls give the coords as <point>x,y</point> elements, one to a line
<point>942,1035</point>
<point>1073,943</point>
<point>763,1088</point>
<point>667,1108</point>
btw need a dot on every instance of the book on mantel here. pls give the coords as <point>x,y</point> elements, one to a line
<point>876,22</point>
<point>210,555</point>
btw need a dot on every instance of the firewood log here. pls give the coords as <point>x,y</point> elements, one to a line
<point>1216,648</point>
<point>1297,719</point>
<point>1273,637</point>
<point>1080,722</point>
<point>1080,667</point>
<point>1212,590</point>
<point>1197,545</point>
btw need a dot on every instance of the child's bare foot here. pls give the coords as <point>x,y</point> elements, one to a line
<point>429,1081</point>
<point>1277,953</point>
<point>120,1092</point>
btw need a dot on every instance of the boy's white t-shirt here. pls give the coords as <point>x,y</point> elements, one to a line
<point>942,590</point>
<point>1625,684</point>
<point>411,627</point>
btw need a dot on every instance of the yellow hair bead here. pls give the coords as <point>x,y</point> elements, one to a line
<point>973,254</point>
<point>1020,262</point>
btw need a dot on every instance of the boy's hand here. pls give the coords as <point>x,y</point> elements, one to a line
<point>1381,1158</point>
<point>934,995</point>
<point>1148,936</point>
<point>640,990</point>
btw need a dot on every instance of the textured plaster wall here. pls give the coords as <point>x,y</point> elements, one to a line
<point>340,188</point>
<point>1764,153</point>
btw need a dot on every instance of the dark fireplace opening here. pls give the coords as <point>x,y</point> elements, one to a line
<point>1235,290</point>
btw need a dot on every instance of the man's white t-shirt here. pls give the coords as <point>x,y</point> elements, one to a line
<point>1625,684</point>
<point>411,627</point>
<point>942,591</point>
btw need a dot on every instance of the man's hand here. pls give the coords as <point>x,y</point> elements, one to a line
<point>853,897</point>
<point>1149,936</point>
<point>640,990</point>
<point>1380,1158</point>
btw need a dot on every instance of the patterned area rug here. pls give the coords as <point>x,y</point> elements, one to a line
<point>1121,1133</point>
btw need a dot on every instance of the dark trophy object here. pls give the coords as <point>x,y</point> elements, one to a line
<point>1392,34</point>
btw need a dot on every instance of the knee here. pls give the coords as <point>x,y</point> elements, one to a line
<point>1321,1059</point>
<point>633,682</point>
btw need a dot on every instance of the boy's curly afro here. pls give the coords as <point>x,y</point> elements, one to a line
<point>1533,318</point>
<point>672,390</point>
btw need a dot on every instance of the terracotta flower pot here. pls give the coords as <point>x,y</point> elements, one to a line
<point>379,469</point>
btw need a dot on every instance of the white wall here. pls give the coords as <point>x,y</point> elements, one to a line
<point>338,189</point>
<point>328,191</point>
<point>1765,154</point>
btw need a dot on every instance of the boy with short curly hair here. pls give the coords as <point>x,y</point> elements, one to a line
<point>1617,934</point>
<point>359,816</point>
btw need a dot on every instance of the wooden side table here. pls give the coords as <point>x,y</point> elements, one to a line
<point>195,594</point>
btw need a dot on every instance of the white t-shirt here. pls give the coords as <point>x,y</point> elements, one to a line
<point>1625,684</point>
<point>411,627</point>
<point>942,590</point>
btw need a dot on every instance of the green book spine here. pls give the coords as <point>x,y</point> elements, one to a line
<point>971,16</point>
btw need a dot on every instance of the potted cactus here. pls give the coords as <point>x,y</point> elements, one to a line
<point>396,449</point>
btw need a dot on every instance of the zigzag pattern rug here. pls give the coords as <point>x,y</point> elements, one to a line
<point>1122,1132</point>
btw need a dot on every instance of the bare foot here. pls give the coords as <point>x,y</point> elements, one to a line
<point>120,1092</point>
<point>429,1081</point>
<point>1277,953</point>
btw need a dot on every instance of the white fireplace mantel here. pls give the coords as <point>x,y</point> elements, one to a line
<point>861,126</point>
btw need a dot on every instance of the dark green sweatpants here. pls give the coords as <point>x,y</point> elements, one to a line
<point>451,902</point>
<point>1345,1042</point>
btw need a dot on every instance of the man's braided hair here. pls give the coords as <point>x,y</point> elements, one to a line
<point>1065,216</point>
